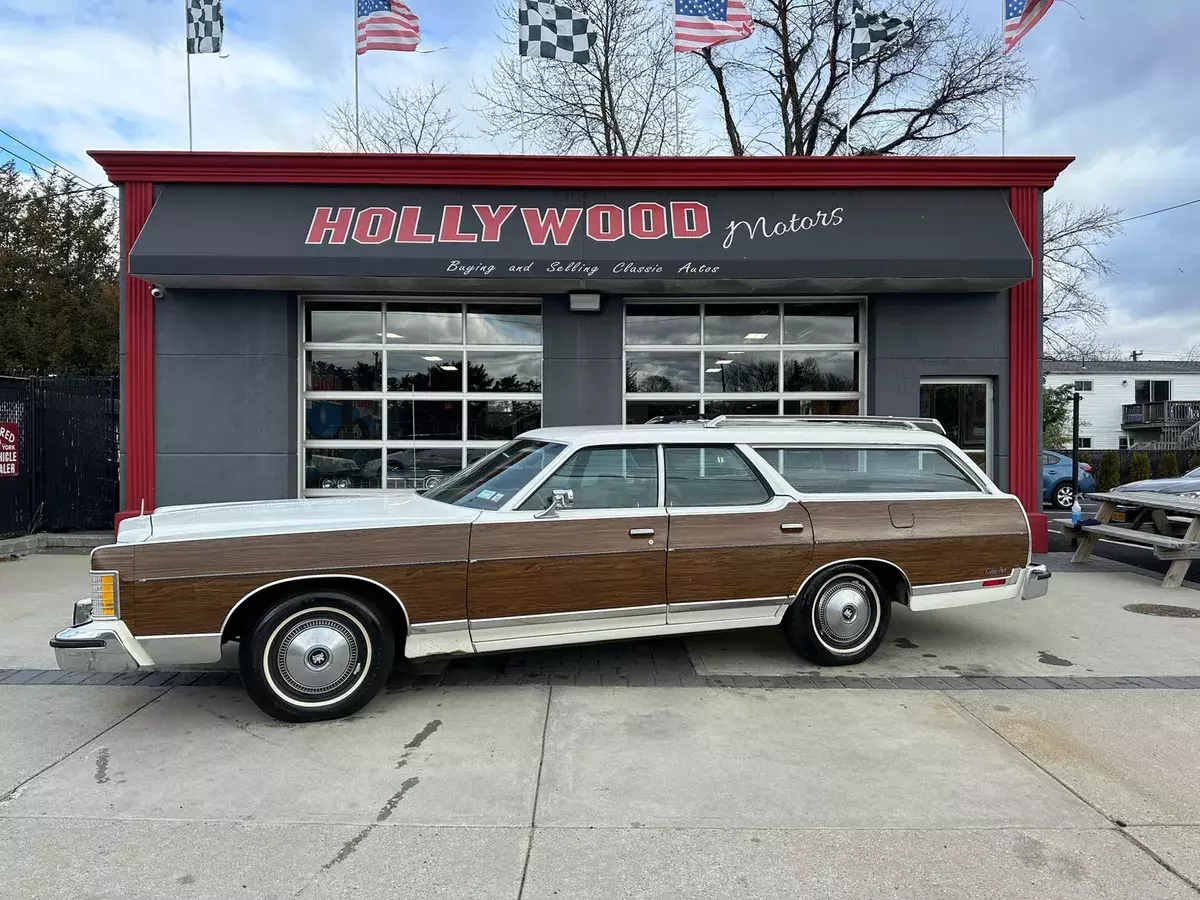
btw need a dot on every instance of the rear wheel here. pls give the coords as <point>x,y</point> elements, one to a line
<point>316,655</point>
<point>840,618</point>
<point>1064,495</point>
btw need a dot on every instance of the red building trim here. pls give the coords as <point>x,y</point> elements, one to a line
<point>1025,177</point>
<point>1024,370</point>
<point>582,171</point>
<point>137,415</point>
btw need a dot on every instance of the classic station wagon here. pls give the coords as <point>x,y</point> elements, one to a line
<point>565,535</point>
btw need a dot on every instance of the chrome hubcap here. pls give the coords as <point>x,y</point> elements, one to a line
<point>1066,496</point>
<point>317,655</point>
<point>844,612</point>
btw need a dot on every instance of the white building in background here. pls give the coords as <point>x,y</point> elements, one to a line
<point>1130,402</point>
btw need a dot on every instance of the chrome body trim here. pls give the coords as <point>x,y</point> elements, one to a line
<point>908,588</point>
<point>99,646</point>
<point>515,629</point>
<point>323,576</point>
<point>438,639</point>
<point>613,633</point>
<point>81,613</point>
<point>727,611</point>
<point>182,649</point>
<point>953,587</point>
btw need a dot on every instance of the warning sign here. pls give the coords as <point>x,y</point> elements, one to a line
<point>10,433</point>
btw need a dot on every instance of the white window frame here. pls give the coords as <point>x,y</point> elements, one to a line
<point>1088,388</point>
<point>383,445</point>
<point>780,347</point>
<point>989,420</point>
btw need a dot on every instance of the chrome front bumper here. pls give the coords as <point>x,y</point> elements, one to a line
<point>1037,582</point>
<point>96,646</point>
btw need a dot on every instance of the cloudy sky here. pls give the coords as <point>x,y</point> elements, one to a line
<point>1116,90</point>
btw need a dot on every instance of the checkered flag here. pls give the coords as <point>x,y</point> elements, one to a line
<point>555,31</point>
<point>205,26</point>
<point>873,30</point>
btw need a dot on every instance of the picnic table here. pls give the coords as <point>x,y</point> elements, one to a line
<point>1161,509</point>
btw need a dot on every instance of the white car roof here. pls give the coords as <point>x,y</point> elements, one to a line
<point>814,433</point>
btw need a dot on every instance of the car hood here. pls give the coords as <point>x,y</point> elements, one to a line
<point>1162,486</point>
<point>216,520</point>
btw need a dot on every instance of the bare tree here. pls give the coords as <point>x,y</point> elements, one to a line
<point>415,119</point>
<point>1073,269</point>
<point>789,89</point>
<point>620,103</point>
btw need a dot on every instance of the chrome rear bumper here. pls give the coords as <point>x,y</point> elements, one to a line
<point>97,646</point>
<point>1037,582</point>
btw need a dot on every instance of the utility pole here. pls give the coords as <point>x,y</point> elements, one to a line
<point>1075,398</point>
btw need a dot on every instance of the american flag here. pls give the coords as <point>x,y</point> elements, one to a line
<point>1019,17</point>
<point>386,25</point>
<point>706,23</point>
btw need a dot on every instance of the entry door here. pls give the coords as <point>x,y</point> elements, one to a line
<point>598,566</point>
<point>737,552</point>
<point>964,406</point>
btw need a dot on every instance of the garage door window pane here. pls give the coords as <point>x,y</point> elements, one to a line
<point>424,420</point>
<point>504,324</point>
<point>741,373</point>
<point>327,470</point>
<point>741,323</point>
<point>666,323</point>
<point>439,370</point>
<point>808,370</point>
<point>344,324</point>
<point>638,412</point>
<point>344,370</point>
<point>507,373</point>
<point>820,407</point>
<point>659,372</point>
<point>820,323</point>
<point>501,420</point>
<point>421,469</point>
<point>425,323</point>
<point>343,420</point>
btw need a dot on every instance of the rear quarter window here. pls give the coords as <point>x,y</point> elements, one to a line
<point>882,470</point>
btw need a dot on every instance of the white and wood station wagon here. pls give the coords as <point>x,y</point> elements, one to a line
<point>565,535</point>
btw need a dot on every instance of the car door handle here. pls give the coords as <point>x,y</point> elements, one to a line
<point>641,532</point>
<point>791,526</point>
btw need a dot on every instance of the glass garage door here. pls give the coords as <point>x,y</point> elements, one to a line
<point>401,393</point>
<point>792,357</point>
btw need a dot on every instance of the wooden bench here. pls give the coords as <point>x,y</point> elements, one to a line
<point>1181,551</point>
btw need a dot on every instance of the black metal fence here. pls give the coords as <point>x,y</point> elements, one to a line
<point>66,473</point>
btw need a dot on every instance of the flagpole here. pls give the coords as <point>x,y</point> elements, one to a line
<point>357,133</point>
<point>189,93</point>
<point>1003,82</point>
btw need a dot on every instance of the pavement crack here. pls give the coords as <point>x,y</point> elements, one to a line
<point>102,766</point>
<point>537,790</point>
<point>382,816</point>
<point>1162,862</point>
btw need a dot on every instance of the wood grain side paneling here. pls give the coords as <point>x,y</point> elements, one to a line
<point>303,552</point>
<point>739,529</point>
<point>934,560</point>
<point>524,587</point>
<point>727,573</point>
<point>564,537</point>
<point>430,593</point>
<point>835,520</point>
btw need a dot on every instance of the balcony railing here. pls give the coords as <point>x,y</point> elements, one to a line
<point>1160,413</point>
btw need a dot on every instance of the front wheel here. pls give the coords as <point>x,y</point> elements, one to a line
<point>316,655</point>
<point>840,618</point>
<point>1064,495</point>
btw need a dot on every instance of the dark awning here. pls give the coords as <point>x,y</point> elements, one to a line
<point>386,238</point>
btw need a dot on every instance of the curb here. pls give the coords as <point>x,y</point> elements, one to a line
<point>401,681</point>
<point>81,542</point>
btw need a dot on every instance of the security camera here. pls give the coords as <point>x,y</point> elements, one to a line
<point>157,293</point>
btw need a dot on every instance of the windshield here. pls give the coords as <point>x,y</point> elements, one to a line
<point>1195,473</point>
<point>494,479</point>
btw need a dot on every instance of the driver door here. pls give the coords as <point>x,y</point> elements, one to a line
<point>597,567</point>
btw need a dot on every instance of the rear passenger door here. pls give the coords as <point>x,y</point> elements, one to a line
<point>736,551</point>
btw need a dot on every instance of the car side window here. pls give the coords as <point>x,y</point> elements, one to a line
<point>711,476</point>
<point>868,470</point>
<point>604,478</point>
<point>1048,460</point>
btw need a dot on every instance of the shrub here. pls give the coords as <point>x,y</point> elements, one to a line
<point>1139,466</point>
<point>1110,470</point>
<point>1168,466</point>
<point>1194,462</point>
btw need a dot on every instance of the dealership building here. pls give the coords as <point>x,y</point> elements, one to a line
<point>315,324</point>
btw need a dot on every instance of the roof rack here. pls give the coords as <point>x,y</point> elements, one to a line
<point>908,424</point>
<point>678,420</point>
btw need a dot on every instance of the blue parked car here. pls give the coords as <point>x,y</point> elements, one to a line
<point>1056,479</point>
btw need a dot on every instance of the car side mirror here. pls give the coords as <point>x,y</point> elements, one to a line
<point>559,499</point>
